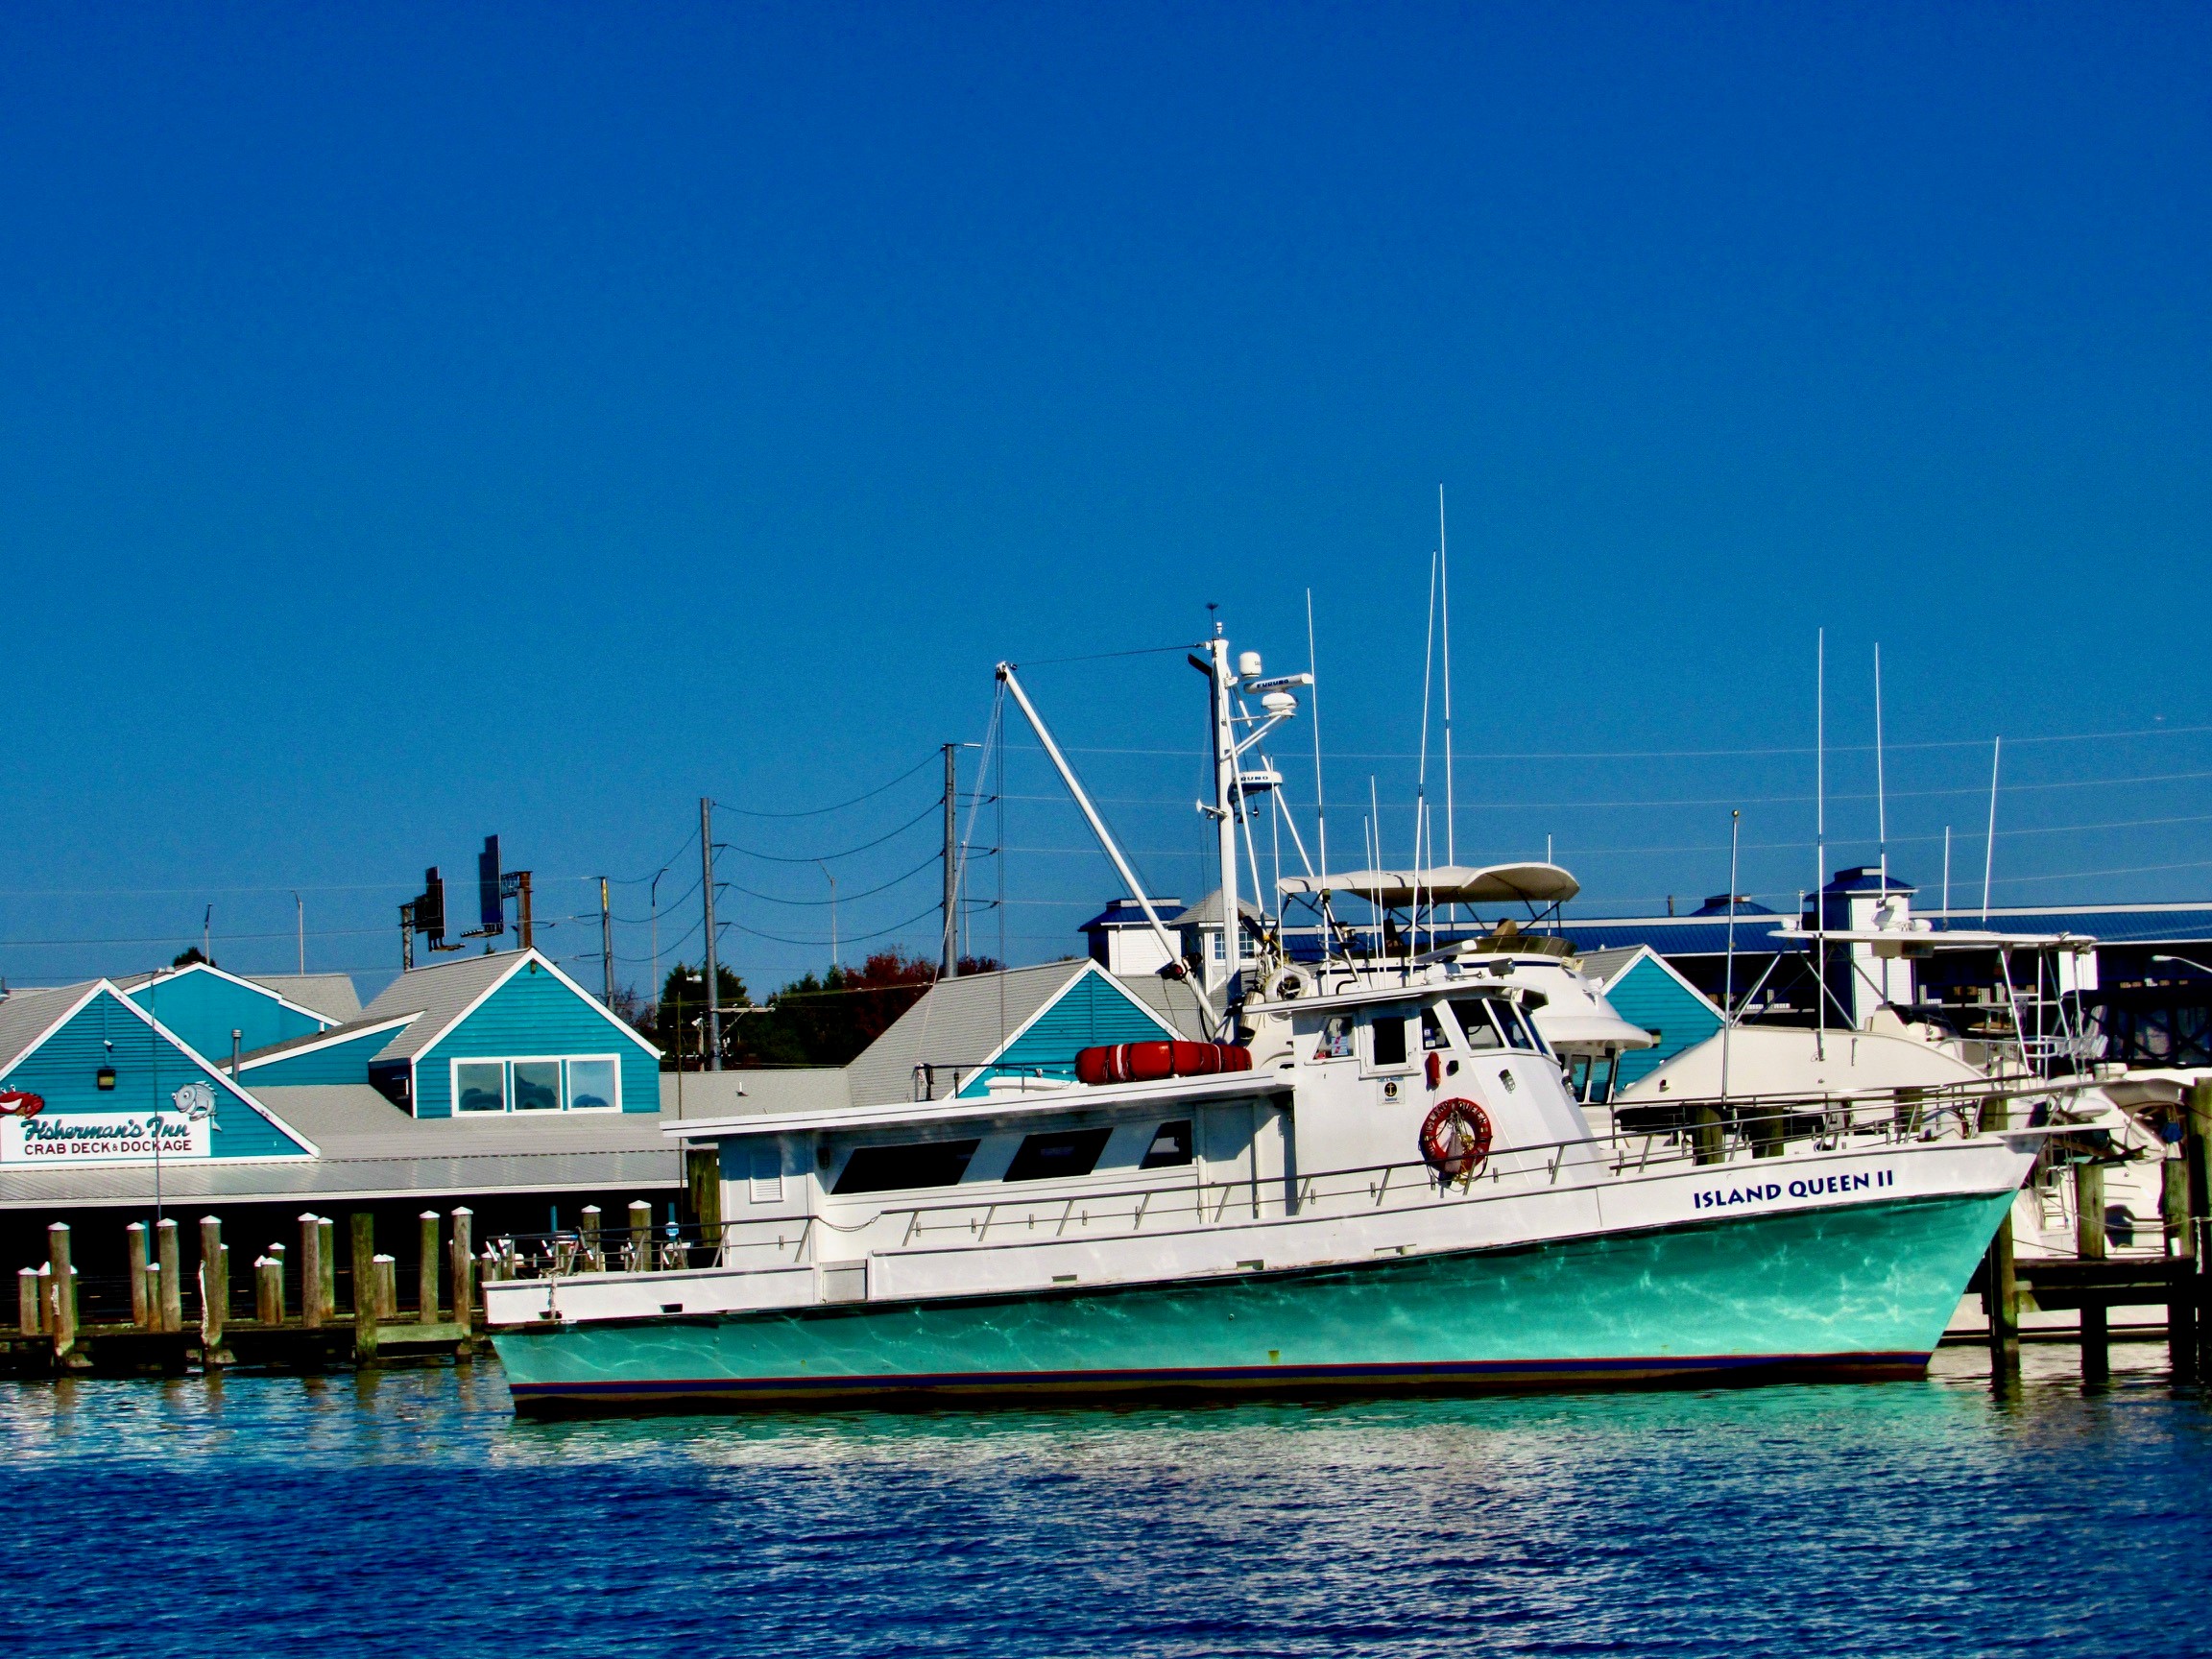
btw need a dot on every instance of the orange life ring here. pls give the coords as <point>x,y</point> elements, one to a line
<point>1456,1140</point>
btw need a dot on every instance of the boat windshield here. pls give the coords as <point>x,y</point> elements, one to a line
<point>1493,1022</point>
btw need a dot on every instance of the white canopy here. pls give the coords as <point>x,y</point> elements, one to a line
<point>1447,884</point>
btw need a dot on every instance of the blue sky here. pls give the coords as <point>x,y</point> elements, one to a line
<point>423,421</point>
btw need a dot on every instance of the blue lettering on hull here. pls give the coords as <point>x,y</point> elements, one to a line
<point>1814,1187</point>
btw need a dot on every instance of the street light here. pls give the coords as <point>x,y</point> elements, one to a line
<point>2185,961</point>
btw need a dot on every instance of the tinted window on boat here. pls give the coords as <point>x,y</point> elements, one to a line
<point>1389,1038</point>
<point>1475,1025</point>
<point>895,1168</point>
<point>1170,1145</point>
<point>1071,1152</point>
<point>1519,1032</point>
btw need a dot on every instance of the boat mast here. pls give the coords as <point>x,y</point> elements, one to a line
<point>1224,815</point>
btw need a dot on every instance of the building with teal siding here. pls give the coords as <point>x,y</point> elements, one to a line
<point>1646,990</point>
<point>92,1078</point>
<point>477,1036</point>
<point>216,1012</point>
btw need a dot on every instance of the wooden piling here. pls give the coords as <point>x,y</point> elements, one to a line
<point>587,1231</point>
<point>45,1299</point>
<point>2001,1292</point>
<point>327,1230</point>
<point>427,1270</point>
<point>2193,1152</point>
<point>167,1246</point>
<point>268,1290</point>
<point>311,1272</point>
<point>364,1232</point>
<point>2089,1245</point>
<point>142,1304</point>
<point>27,1307</point>
<point>214,1290</point>
<point>64,1291</point>
<point>641,1235</point>
<point>464,1268</point>
<point>2180,1267</point>
<point>386,1270</point>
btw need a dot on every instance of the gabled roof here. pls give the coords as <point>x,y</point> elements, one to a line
<point>445,993</point>
<point>958,1022</point>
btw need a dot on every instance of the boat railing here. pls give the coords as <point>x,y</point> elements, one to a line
<point>1712,1134</point>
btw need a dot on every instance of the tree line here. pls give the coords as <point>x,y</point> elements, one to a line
<point>824,1019</point>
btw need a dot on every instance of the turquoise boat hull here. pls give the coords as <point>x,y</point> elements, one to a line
<point>1863,1290</point>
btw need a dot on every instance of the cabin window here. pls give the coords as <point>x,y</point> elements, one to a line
<point>1171,1146</point>
<point>1433,1031</point>
<point>1068,1152</point>
<point>1475,1024</point>
<point>765,1182</point>
<point>1520,1033</point>
<point>537,1085</point>
<point>1335,1038</point>
<point>896,1168</point>
<point>1388,1040</point>
<point>480,1086</point>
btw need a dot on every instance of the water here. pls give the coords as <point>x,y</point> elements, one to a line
<point>407,1513</point>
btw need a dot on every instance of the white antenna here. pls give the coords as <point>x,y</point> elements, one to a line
<point>1881,795</point>
<point>1989,846</point>
<point>1421,772</point>
<point>1820,836</point>
<point>1444,570</point>
<point>1320,799</point>
<point>1881,812</point>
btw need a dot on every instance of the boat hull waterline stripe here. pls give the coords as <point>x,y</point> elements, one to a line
<point>1865,1289</point>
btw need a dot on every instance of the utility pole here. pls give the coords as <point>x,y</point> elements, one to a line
<point>606,940</point>
<point>706,895</point>
<point>950,966</point>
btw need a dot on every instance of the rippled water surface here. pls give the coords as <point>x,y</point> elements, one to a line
<point>407,1513</point>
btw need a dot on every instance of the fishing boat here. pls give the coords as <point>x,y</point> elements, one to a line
<point>1371,1176</point>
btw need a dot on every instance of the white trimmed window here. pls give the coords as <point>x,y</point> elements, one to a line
<point>539,1083</point>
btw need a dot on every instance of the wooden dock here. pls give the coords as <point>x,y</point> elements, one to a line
<point>284,1315</point>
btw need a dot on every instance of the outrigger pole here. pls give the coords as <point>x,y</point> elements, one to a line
<point>1174,968</point>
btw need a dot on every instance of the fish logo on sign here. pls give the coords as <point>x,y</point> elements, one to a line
<point>196,1099</point>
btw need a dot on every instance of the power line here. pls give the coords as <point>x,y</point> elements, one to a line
<point>817,811</point>
<point>810,858</point>
<point>843,898</point>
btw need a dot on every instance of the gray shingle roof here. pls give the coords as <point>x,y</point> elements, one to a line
<point>779,1088</point>
<point>330,995</point>
<point>26,1015</point>
<point>439,993</point>
<point>957,1022</point>
<point>314,1039</point>
<point>1602,965</point>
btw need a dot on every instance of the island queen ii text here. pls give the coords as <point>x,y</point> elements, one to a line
<point>1808,1186</point>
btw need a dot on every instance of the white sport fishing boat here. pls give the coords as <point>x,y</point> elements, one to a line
<point>1373,1178</point>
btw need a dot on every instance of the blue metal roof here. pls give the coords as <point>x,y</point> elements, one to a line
<point>1717,905</point>
<point>1673,937</point>
<point>1866,879</point>
<point>1129,913</point>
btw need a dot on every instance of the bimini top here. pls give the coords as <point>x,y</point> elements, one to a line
<point>1447,884</point>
